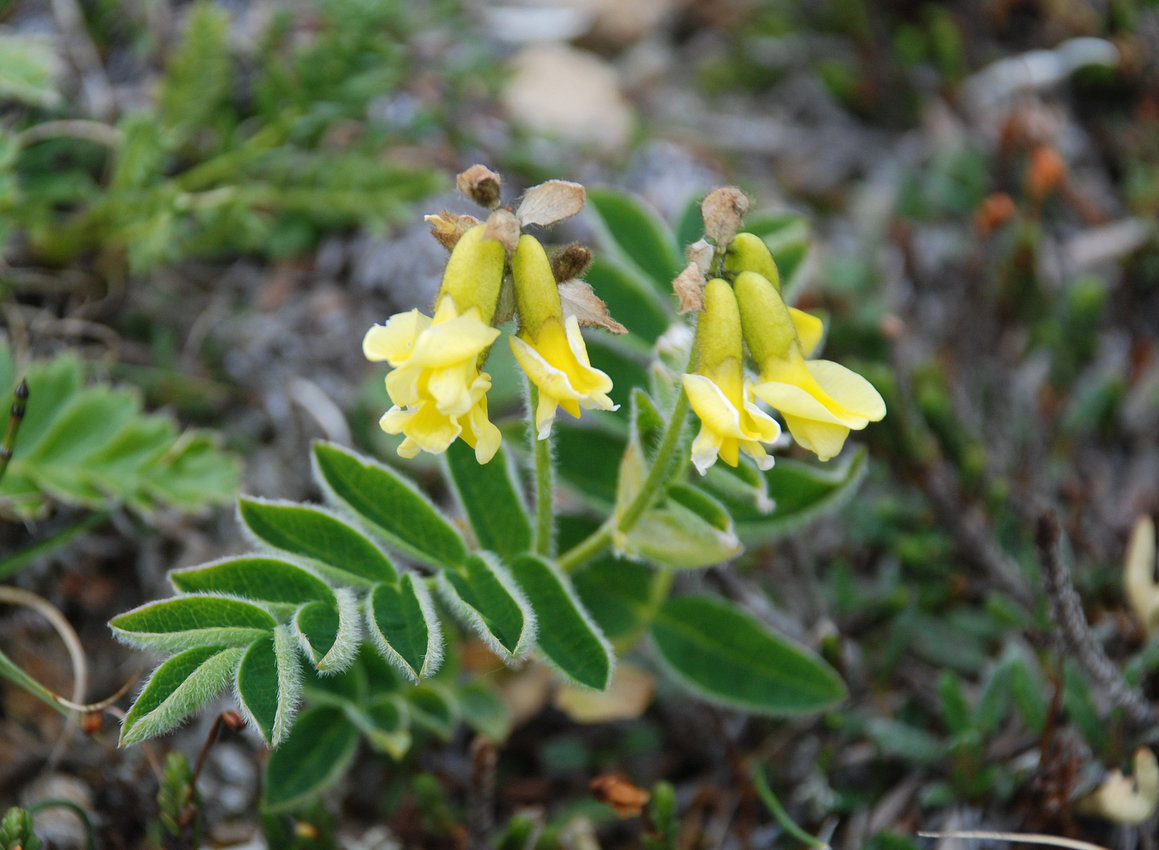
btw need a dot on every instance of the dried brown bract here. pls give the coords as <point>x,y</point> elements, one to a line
<point>579,300</point>
<point>689,288</point>
<point>481,185</point>
<point>503,227</point>
<point>723,210</point>
<point>571,261</point>
<point>447,227</point>
<point>549,202</point>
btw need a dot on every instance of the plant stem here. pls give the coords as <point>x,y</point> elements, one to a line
<point>774,805</point>
<point>623,521</point>
<point>19,403</point>
<point>544,481</point>
<point>17,560</point>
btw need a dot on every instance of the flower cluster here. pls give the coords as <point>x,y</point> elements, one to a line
<point>820,401</point>
<point>437,385</point>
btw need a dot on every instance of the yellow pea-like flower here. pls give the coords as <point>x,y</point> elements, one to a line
<point>820,401</point>
<point>438,391</point>
<point>730,422</point>
<point>550,348</point>
<point>748,252</point>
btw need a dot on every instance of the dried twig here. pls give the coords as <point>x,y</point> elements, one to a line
<point>481,795</point>
<point>1074,633</point>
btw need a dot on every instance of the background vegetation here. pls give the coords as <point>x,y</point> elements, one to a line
<point>204,205</point>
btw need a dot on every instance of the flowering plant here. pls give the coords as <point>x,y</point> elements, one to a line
<point>330,629</point>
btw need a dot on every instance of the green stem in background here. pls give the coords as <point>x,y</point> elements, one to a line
<point>15,562</point>
<point>90,833</point>
<point>14,420</point>
<point>544,482</point>
<point>782,817</point>
<point>623,521</point>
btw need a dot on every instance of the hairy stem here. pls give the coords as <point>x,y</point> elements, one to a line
<point>544,482</point>
<point>623,521</point>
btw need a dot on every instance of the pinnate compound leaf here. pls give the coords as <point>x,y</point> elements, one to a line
<point>337,549</point>
<point>269,685</point>
<point>389,504</point>
<point>729,658</point>
<point>492,499</point>
<point>639,235</point>
<point>329,632</point>
<point>313,757</point>
<point>486,597</point>
<point>280,585</point>
<point>404,626</point>
<point>177,688</point>
<point>186,621</point>
<point>573,644</point>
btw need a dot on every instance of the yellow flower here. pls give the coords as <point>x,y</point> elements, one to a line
<point>550,348</point>
<point>729,420</point>
<point>820,401</point>
<point>438,392</point>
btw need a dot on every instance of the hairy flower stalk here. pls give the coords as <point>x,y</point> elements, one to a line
<point>549,347</point>
<point>820,401</point>
<point>438,391</point>
<point>719,395</point>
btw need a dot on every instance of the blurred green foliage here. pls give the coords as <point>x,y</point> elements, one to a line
<point>237,153</point>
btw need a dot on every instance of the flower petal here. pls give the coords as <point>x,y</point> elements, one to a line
<point>394,341</point>
<point>848,388</point>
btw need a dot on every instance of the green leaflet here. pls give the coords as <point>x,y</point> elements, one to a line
<point>639,235</point>
<point>492,498</point>
<point>570,641</point>
<point>269,685</point>
<point>176,689</point>
<point>728,657</point>
<point>390,504</point>
<point>404,627</point>
<point>280,585</point>
<point>385,723</point>
<point>589,459</point>
<point>802,491</point>
<point>631,298</point>
<point>316,753</point>
<point>484,710</point>
<point>193,472</point>
<point>619,596</point>
<point>337,549</point>
<point>329,632</point>
<point>686,532</point>
<point>89,421</point>
<point>486,598</point>
<point>433,708</point>
<point>189,621</point>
